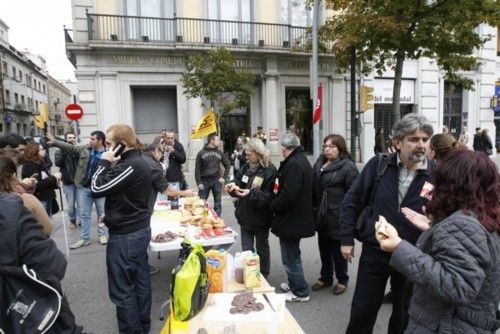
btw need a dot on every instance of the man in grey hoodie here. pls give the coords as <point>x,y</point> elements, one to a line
<point>208,173</point>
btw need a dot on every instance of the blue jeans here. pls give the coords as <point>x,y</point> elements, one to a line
<point>47,205</point>
<point>290,256</point>
<point>129,282</point>
<point>72,201</point>
<point>216,187</point>
<point>86,202</point>
<point>331,258</point>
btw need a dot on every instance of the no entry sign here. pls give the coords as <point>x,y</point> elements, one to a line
<point>73,111</point>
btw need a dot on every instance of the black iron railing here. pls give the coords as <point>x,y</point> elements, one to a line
<point>194,31</point>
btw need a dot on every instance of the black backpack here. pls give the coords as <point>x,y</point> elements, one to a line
<point>27,304</point>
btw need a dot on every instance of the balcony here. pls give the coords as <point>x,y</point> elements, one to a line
<point>119,29</point>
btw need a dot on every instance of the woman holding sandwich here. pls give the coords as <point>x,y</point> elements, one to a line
<point>455,266</point>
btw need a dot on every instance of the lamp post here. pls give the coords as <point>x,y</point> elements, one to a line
<point>314,76</point>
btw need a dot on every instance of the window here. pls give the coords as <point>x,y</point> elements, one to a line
<point>43,88</point>
<point>22,100</point>
<point>153,29</point>
<point>28,80</point>
<point>34,81</point>
<point>230,10</point>
<point>30,104</point>
<point>16,98</point>
<point>5,68</point>
<point>7,97</point>
<point>294,12</point>
<point>36,105</point>
<point>14,72</point>
<point>20,75</point>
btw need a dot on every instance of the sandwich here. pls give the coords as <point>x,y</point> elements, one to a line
<point>381,227</point>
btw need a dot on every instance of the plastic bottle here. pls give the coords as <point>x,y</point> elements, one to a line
<point>238,268</point>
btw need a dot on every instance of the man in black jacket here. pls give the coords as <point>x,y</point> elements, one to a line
<point>293,214</point>
<point>22,242</point>
<point>400,186</point>
<point>67,161</point>
<point>207,171</point>
<point>127,188</point>
<point>174,157</point>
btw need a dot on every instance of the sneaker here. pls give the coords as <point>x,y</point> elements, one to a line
<point>153,269</point>
<point>103,240</point>
<point>79,244</point>
<point>72,226</point>
<point>290,297</point>
<point>285,287</point>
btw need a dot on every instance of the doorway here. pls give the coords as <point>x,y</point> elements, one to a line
<point>299,115</point>
<point>155,109</point>
<point>232,126</point>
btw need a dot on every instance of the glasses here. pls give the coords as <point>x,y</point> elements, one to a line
<point>329,146</point>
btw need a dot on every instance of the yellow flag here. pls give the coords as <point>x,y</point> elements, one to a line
<point>206,126</point>
<point>43,117</point>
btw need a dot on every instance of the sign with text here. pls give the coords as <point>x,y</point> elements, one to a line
<point>73,111</point>
<point>384,87</point>
<point>273,135</point>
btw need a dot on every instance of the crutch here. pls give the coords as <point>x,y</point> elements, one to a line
<point>64,223</point>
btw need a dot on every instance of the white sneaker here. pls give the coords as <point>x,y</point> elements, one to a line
<point>290,297</point>
<point>284,287</point>
<point>103,240</point>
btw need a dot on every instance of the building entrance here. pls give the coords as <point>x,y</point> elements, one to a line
<point>299,115</point>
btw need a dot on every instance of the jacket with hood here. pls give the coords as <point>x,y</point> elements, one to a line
<point>208,164</point>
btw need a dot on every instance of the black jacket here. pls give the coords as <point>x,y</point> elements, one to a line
<point>44,190</point>
<point>252,211</point>
<point>127,188</point>
<point>337,178</point>
<point>385,202</point>
<point>292,207</point>
<point>66,161</point>
<point>175,160</point>
<point>22,242</point>
<point>477,143</point>
<point>159,183</point>
<point>208,164</point>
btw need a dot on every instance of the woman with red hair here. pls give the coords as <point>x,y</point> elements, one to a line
<point>455,265</point>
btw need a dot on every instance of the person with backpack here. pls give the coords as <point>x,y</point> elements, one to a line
<point>22,242</point>
<point>400,185</point>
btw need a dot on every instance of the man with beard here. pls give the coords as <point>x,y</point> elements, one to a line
<point>401,185</point>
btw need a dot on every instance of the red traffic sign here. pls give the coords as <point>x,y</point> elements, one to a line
<point>73,111</point>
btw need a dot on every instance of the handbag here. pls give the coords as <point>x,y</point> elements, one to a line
<point>321,218</point>
<point>27,304</point>
<point>367,210</point>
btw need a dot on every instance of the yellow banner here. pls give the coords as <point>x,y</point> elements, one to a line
<point>206,126</point>
<point>43,117</point>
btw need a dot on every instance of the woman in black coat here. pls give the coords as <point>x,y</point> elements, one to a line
<point>34,166</point>
<point>253,185</point>
<point>334,172</point>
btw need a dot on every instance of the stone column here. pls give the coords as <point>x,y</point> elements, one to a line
<point>271,114</point>
<point>195,112</point>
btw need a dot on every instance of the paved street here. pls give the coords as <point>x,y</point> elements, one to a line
<point>86,285</point>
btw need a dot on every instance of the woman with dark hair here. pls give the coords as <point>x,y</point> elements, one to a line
<point>334,173</point>
<point>455,267</point>
<point>34,166</point>
<point>8,182</point>
<point>379,141</point>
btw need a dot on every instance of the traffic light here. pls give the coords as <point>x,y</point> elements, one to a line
<point>366,98</point>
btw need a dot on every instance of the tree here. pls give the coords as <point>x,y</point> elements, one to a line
<point>214,78</point>
<point>386,32</point>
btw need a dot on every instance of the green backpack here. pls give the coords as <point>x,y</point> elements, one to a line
<point>189,288</point>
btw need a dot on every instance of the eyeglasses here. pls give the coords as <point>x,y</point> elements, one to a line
<point>329,146</point>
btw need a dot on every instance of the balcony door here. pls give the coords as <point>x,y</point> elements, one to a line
<point>151,19</point>
<point>236,15</point>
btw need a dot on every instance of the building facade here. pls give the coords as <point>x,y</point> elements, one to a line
<point>24,86</point>
<point>130,55</point>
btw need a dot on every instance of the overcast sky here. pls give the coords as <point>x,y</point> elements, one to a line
<point>37,25</point>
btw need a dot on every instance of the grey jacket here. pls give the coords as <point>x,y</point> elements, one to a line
<point>455,269</point>
<point>83,152</point>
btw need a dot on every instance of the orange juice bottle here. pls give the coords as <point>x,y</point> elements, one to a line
<point>216,263</point>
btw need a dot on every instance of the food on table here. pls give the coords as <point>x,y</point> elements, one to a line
<point>245,303</point>
<point>164,237</point>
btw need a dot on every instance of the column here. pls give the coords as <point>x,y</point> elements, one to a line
<point>195,112</point>
<point>271,112</point>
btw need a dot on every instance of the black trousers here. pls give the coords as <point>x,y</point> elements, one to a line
<point>373,272</point>
<point>259,237</point>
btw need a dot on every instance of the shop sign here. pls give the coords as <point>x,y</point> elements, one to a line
<point>273,135</point>
<point>8,119</point>
<point>383,91</point>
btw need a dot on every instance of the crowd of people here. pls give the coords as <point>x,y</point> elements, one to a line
<point>439,252</point>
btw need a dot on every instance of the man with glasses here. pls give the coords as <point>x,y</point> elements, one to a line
<point>89,157</point>
<point>67,162</point>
